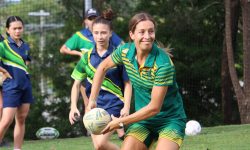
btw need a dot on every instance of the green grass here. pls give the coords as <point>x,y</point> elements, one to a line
<point>233,137</point>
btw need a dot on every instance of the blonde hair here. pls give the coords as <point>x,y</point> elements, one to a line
<point>167,49</point>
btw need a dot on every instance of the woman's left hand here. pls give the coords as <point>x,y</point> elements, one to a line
<point>112,125</point>
<point>91,105</point>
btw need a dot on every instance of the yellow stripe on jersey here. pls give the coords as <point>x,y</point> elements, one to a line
<point>82,36</point>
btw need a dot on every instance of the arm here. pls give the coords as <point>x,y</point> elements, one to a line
<point>154,107</point>
<point>5,73</point>
<point>127,98</point>
<point>2,70</point>
<point>27,62</point>
<point>74,99</point>
<point>98,79</point>
<point>65,50</point>
<point>84,96</point>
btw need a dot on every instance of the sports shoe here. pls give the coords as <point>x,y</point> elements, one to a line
<point>4,144</point>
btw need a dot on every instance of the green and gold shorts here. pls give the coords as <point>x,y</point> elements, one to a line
<point>148,132</point>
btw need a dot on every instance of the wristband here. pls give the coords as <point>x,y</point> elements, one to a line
<point>121,125</point>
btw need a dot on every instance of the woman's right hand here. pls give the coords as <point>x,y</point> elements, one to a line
<point>6,75</point>
<point>74,115</point>
<point>80,54</point>
<point>112,125</point>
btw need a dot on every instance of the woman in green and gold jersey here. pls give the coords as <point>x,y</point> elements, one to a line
<point>158,112</point>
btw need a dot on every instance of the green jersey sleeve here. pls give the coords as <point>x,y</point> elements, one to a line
<point>117,55</point>
<point>165,75</point>
<point>79,72</point>
<point>79,42</point>
<point>1,50</point>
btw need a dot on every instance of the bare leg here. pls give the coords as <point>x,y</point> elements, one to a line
<point>1,104</point>
<point>131,143</point>
<point>165,144</point>
<point>84,105</point>
<point>6,120</point>
<point>101,142</point>
<point>21,115</point>
<point>120,133</point>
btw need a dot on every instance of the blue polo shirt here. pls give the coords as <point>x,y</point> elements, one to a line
<point>87,33</point>
<point>13,60</point>
<point>80,40</point>
<point>111,94</point>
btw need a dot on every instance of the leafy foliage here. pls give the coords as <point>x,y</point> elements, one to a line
<point>193,29</point>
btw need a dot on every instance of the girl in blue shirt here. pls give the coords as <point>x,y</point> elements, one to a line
<point>17,93</point>
<point>117,89</point>
<point>1,78</point>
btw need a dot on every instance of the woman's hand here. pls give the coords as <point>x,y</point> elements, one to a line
<point>6,75</point>
<point>80,54</point>
<point>124,112</point>
<point>74,115</point>
<point>112,125</point>
<point>91,105</point>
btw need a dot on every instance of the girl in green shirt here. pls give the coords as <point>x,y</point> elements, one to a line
<point>158,112</point>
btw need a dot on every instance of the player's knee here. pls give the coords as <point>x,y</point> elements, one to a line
<point>132,143</point>
<point>100,145</point>
<point>21,119</point>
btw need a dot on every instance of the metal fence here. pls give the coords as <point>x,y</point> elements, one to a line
<point>48,24</point>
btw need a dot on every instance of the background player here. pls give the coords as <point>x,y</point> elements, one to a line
<point>111,96</point>
<point>82,41</point>
<point>1,83</point>
<point>17,92</point>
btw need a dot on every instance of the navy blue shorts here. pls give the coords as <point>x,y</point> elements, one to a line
<point>115,111</point>
<point>17,97</point>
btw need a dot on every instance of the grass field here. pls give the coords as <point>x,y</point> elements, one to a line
<point>233,137</point>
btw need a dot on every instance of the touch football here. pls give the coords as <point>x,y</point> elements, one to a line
<point>96,120</point>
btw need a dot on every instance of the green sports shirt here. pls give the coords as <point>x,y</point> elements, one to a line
<point>79,42</point>
<point>158,70</point>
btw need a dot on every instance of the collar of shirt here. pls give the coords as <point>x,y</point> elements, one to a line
<point>151,56</point>
<point>86,32</point>
<point>11,41</point>
<point>109,51</point>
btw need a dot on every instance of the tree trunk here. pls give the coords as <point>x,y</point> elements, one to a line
<point>226,90</point>
<point>242,94</point>
<point>228,108</point>
<point>98,5</point>
<point>245,104</point>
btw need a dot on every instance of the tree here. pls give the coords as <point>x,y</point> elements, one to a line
<point>229,104</point>
<point>242,92</point>
<point>195,31</point>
